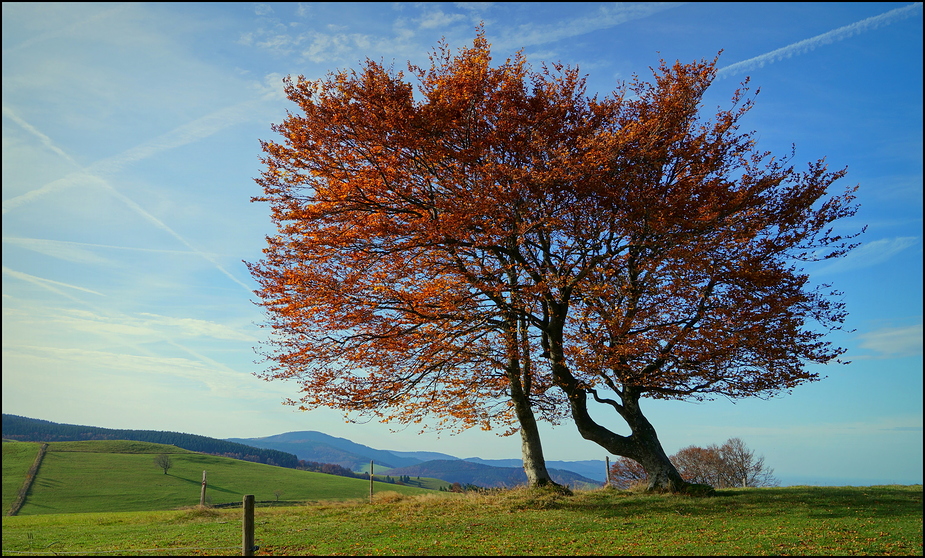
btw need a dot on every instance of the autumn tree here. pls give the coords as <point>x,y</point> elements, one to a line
<point>730,465</point>
<point>700,465</point>
<point>498,244</point>
<point>382,294</point>
<point>625,473</point>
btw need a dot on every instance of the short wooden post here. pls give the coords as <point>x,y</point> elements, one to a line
<point>370,482</point>
<point>202,493</point>
<point>607,472</point>
<point>247,539</point>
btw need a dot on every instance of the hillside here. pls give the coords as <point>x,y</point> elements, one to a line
<point>315,451</point>
<point>486,476</point>
<point>112,476</point>
<point>310,445</point>
<point>35,430</point>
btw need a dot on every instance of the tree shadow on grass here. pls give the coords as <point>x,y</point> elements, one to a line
<point>209,487</point>
<point>810,502</point>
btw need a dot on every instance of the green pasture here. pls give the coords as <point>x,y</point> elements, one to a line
<point>803,521</point>
<point>115,476</point>
<point>17,458</point>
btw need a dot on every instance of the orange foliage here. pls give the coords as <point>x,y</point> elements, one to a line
<point>496,229</point>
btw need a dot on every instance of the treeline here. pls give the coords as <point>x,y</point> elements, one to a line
<point>330,469</point>
<point>35,430</point>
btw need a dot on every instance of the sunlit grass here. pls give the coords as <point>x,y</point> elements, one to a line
<point>883,520</point>
<point>81,477</point>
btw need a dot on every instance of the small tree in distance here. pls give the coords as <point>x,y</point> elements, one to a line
<point>626,474</point>
<point>163,461</point>
<point>730,465</point>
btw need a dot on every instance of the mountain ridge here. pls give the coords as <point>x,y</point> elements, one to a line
<point>317,446</point>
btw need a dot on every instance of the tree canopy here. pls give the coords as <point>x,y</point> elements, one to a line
<point>496,242</point>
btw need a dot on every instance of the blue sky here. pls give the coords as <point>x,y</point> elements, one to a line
<point>130,144</point>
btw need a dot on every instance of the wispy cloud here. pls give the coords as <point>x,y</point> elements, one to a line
<point>78,251</point>
<point>94,174</point>
<point>327,47</point>
<point>894,342</point>
<point>67,251</point>
<point>606,16</point>
<point>47,283</point>
<point>66,30</point>
<point>869,254</point>
<point>215,376</point>
<point>806,45</point>
<point>188,133</point>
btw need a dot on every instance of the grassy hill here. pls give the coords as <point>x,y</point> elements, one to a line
<point>114,476</point>
<point>17,458</point>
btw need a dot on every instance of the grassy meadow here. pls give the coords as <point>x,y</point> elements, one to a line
<point>115,476</point>
<point>882,520</point>
<point>108,498</point>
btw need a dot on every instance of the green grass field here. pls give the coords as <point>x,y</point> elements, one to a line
<point>114,476</point>
<point>108,498</point>
<point>883,521</point>
<point>17,458</point>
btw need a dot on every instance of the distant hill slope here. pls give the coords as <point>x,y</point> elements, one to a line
<point>468,472</point>
<point>310,445</point>
<point>288,448</point>
<point>591,468</point>
<point>26,429</point>
<point>110,476</point>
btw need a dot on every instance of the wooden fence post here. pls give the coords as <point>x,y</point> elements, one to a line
<point>202,493</point>
<point>247,538</point>
<point>370,482</point>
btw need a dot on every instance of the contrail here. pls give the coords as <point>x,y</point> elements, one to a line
<point>52,34</point>
<point>47,283</point>
<point>807,45</point>
<point>188,133</point>
<point>183,135</point>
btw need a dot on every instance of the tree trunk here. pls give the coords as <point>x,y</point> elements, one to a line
<point>530,445</point>
<point>642,445</point>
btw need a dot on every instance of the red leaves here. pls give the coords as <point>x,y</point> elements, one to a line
<point>430,245</point>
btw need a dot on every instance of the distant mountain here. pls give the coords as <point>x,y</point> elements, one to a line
<point>423,456</point>
<point>592,469</point>
<point>468,472</point>
<point>310,445</point>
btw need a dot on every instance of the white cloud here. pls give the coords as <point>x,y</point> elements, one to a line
<point>869,254</point>
<point>195,328</point>
<point>438,18</point>
<point>606,16</point>
<point>894,342</point>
